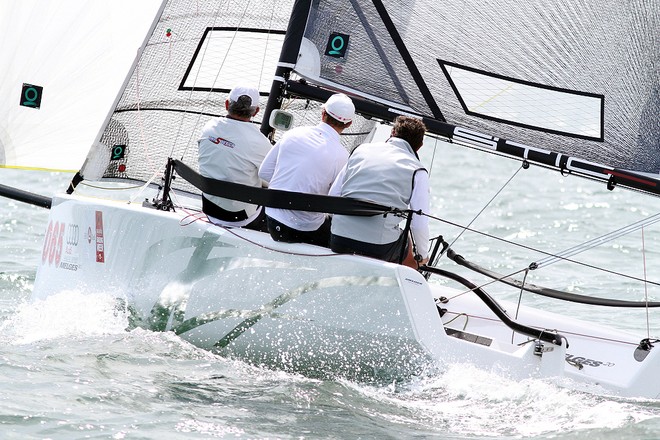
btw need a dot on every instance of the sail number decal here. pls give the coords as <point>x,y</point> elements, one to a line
<point>52,251</point>
<point>65,244</point>
<point>61,240</point>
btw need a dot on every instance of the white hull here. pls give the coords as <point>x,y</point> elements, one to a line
<point>302,308</point>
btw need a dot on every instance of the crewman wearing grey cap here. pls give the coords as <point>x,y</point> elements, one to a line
<point>307,159</point>
<point>232,148</point>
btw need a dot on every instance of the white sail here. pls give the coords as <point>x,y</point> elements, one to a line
<point>78,51</point>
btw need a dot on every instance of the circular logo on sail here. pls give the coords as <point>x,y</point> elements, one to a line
<point>337,45</point>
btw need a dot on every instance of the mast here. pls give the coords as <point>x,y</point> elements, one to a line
<point>288,58</point>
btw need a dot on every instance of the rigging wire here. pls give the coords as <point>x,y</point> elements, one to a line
<point>522,289</point>
<point>646,290</point>
<point>435,148</point>
<point>207,97</point>
<point>488,203</point>
<point>150,164</point>
<point>599,240</point>
<point>488,283</point>
<point>569,260</point>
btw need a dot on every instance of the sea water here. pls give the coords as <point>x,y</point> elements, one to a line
<point>69,369</point>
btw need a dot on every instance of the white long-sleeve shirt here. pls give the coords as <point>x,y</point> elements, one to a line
<point>232,150</point>
<point>305,159</point>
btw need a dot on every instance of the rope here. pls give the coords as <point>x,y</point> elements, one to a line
<point>435,148</point>
<point>105,188</point>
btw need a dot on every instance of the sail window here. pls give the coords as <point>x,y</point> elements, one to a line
<point>526,104</point>
<point>226,57</point>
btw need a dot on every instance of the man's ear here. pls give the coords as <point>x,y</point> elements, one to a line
<point>255,112</point>
<point>227,104</point>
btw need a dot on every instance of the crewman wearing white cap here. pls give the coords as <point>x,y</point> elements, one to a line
<point>307,160</point>
<point>232,148</point>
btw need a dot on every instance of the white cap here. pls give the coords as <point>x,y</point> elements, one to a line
<point>239,91</point>
<point>340,107</point>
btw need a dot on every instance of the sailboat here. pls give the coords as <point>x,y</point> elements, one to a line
<point>572,88</point>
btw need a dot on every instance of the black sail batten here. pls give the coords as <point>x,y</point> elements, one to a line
<point>280,199</point>
<point>368,27</point>
<point>200,45</point>
<point>446,65</point>
<point>545,291</point>
<point>408,59</point>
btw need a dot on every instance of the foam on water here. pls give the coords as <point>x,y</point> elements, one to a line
<point>467,401</point>
<point>67,314</point>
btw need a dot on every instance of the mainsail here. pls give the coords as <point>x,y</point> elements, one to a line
<point>573,79</point>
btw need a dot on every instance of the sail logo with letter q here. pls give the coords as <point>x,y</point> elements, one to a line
<point>118,152</point>
<point>337,45</point>
<point>31,96</point>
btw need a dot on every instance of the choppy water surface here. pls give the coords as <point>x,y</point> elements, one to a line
<point>71,370</point>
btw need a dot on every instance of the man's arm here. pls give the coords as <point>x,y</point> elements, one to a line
<point>335,189</point>
<point>267,167</point>
<point>419,227</point>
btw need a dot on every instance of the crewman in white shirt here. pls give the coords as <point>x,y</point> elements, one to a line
<point>307,159</point>
<point>388,173</point>
<point>232,148</point>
